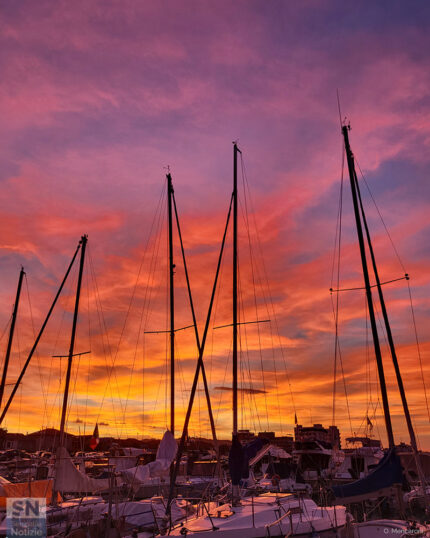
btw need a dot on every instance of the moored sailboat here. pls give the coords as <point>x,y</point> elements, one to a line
<point>386,479</point>
<point>242,512</point>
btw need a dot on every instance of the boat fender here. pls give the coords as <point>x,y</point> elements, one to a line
<point>184,531</point>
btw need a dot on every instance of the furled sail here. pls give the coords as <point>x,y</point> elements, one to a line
<point>160,467</point>
<point>384,476</point>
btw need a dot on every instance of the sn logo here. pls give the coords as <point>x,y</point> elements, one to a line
<point>26,508</point>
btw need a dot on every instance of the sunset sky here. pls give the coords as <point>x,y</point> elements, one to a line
<point>98,98</point>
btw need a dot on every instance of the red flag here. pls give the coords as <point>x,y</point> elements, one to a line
<point>95,439</point>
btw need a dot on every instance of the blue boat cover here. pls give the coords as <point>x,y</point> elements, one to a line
<point>239,456</point>
<point>388,472</point>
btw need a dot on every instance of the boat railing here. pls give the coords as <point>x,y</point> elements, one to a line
<point>200,509</point>
<point>289,515</point>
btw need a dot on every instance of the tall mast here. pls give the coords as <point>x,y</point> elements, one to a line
<point>83,242</point>
<point>39,336</point>
<point>11,333</point>
<point>235,152</point>
<point>393,352</point>
<point>200,364</point>
<point>353,181</point>
<point>172,305</point>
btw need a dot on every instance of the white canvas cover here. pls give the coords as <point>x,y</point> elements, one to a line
<point>127,459</point>
<point>147,512</point>
<point>160,467</point>
<point>69,478</point>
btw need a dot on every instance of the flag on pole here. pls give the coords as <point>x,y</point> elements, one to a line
<point>95,439</point>
<point>295,418</point>
<point>369,423</point>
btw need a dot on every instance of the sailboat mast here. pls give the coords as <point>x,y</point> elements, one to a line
<point>172,304</point>
<point>378,354</point>
<point>235,152</point>
<point>11,333</point>
<point>200,364</point>
<point>393,351</point>
<point>39,336</point>
<point>83,242</point>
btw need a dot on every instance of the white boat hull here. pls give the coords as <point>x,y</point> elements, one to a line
<point>386,527</point>
<point>264,516</point>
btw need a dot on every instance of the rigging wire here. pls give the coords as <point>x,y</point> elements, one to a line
<point>139,332</point>
<point>335,305</point>
<point>73,396</point>
<point>51,368</point>
<point>252,390</point>
<point>267,296</point>
<point>419,350</point>
<point>180,375</point>
<point>111,370</point>
<point>214,361</point>
<point>104,338</point>
<point>214,316</point>
<point>42,385</point>
<point>408,284</point>
<point>337,247</point>
<point>381,326</point>
<point>55,412</point>
<point>149,286</point>
<point>245,216</point>
<point>45,396</point>
<point>380,216</point>
<point>369,383</point>
<point>48,408</point>
<point>144,315</point>
<point>6,327</point>
<point>221,399</point>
